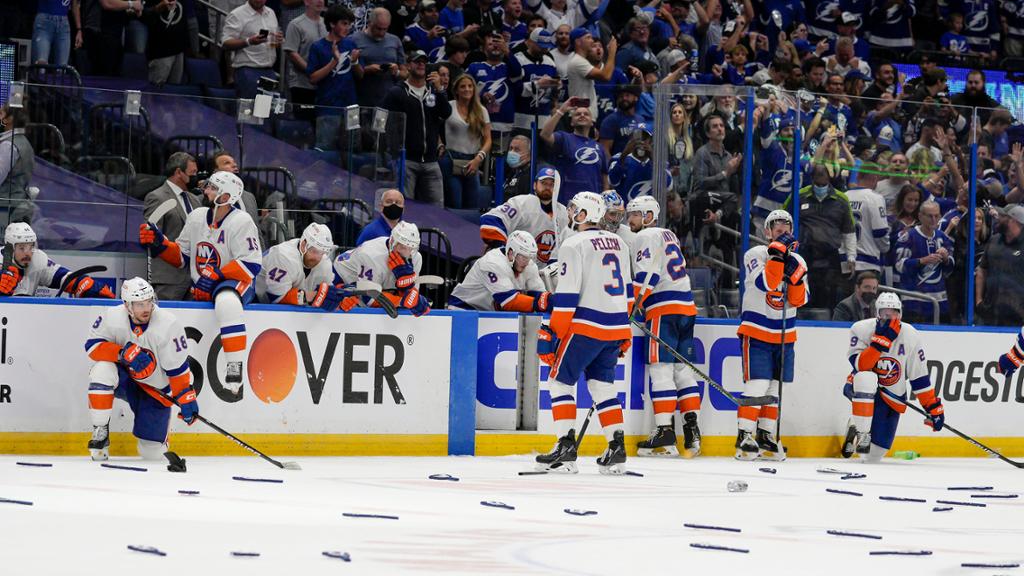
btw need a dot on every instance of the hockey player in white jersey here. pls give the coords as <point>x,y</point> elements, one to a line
<point>539,214</point>
<point>137,349</point>
<point>299,272</point>
<point>220,246</point>
<point>504,279</point>
<point>26,267</point>
<point>394,262</point>
<point>872,225</point>
<point>661,289</point>
<point>1009,362</point>
<point>886,354</point>
<point>589,331</point>
<point>614,218</point>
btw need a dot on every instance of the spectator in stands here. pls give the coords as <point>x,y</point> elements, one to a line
<point>955,285</point>
<point>924,258</point>
<point>885,81</point>
<point>299,36</point>
<point>538,84</point>
<point>891,187</point>
<point>425,32</point>
<point>172,283</point>
<point>680,146</point>
<point>930,137</point>
<point>582,73</point>
<point>617,128</point>
<point>814,74</point>
<point>484,15</point>
<point>632,171</point>
<point>636,49</point>
<point>453,20</point>
<point>467,144</point>
<point>580,160</point>
<point>333,66</point>
<point>103,24</point>
<point>974,94</point>
<point>846,27</point>
<point>222,161</point>
<point>562,53</point>
<point>1013,39</point>
<point>362,10</point>
<point>167,39</point>
<point>495,77</point>
<point>517,175</point>
<point>512,29</point>
<point>51,35</point>
<point>251,32</point>
<point>426,108</point>
<point>557,13</point>
<point>403,14</point>
<point>17,162</point>
<point>994,132</point>
<point>872,219</point>
<point>382,57</point>
<point>860,304</point>
<point>890,24</point>
<point>391,207</point>
<point>455,52</point>
<point>843,61</point>
<point>1001,272</point>
<point>715,183</point>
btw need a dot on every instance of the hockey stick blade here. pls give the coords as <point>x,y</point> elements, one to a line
<point>78,273</point>
<point>429,280</point>
<point>373,290</point>
<point>161,211</point>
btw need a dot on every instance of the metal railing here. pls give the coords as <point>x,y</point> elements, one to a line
<point>936,313</point>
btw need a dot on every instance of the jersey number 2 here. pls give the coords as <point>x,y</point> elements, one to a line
<point>617,285</point>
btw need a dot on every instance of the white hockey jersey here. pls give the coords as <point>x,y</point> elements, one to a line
<point>370,262</point>
<point>525,212</point>
<point>164,338</point>
<point>904,362</point>
<point>236,238</point>
<point>628,235</point>
<point>761,313</point>
<point>283,275</point>
<point>659,264</point>
<point>593,296</point>
<point>872,228</point>
<point>40,271</point>
<point>491,284</point>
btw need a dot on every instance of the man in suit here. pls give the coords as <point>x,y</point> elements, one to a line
<point>181,170</point>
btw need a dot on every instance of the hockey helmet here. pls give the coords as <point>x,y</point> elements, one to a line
<point>590,204</point>
<point>318,236</point>
<point>226,183</point>
<point>406,234</point>
<point>19,233</point>
<point>888,301</point>
<point>520,243</point>
<point>614,210</point>
<point>136,290</point>
<point>643,205</point>
<point>777,216</point>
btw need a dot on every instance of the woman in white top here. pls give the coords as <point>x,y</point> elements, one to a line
<point>468,142</point>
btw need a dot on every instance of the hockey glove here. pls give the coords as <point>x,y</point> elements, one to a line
<point>86,287</point>
<point>200,295</point>
<point>349,303</point>
<point>327,297</point>
<point>405,275</point>
<point>189,408</point>
<point>886,331</point>
<point>624,347</point>
<point>777,251</point>
<point>9,280</point>
<point>209,278</point>
<point>547,345</point>
<point>416,303</point>
<point>140,362</point>
<point>152,239</point>
<point>542,302</point>
<point>937,416</point>
<point>1008,363</point>
<point>793,270</point>
<point>789,242</point>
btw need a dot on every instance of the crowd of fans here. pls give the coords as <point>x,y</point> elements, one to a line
<point>884,162</point>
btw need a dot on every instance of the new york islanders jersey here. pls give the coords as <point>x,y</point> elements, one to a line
<point>904,362</point>
<point>659,264</point>
<point>593,296</point>
<point>164,338</point>
<point>40,271</point>
<point>627,235</point>
<point>283,275</point>
<point>370,262</point>
<point>872,228</point>
<point>525,212</point>
<point>234,239</point>
<point>491,284</point>
<point>761,315</point>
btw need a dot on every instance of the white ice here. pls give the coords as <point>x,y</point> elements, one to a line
<point>84,516</point>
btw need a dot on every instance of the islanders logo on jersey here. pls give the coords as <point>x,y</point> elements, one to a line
<point>545,244</point>
<point>587,155</point>
<point>206,255</point>
<point>774,299</point>
<point>889,370</point>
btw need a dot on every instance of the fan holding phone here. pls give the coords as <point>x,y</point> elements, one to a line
<point>580,160</point>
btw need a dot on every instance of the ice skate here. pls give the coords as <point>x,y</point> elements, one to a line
<point>850,442</point>
<point>661,442</point>
<point>562,457</point>
<point>99,444</point>
<point>863,443</point>
<point>746,447</point>
<point>769,446</point>
<point>233,381</point>
<point>691,435</point>
<point>613,461</point>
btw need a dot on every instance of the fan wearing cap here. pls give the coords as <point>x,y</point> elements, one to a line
<point>394,262</point>
<point>846,27</point>
<point>886,353</point>
<point>504,279</point>
<point>631,172</point>
<point>536,86</point>
<point>26,267</point>
<point>582,73</point>
<point>618,127</point>
<point>425,32</point>
<point>539,214</point>
<point>221,248</point>
<point>776,132</point>
<point>299,272</point>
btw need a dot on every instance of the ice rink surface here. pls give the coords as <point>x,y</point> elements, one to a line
<point>84,516</point>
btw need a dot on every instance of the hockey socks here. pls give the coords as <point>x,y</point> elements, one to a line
<point>607,406</point>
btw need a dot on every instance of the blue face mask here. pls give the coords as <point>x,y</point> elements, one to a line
<point>820,192</point>
<point>512,158</point>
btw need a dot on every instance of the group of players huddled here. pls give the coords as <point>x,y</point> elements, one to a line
<point>600,275</point>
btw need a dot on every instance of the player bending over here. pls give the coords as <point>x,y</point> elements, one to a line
<point>137,349</point>
<point>26,267</point>
<point>393,262</point>
<point>661,289</point>
<point>220,246</point>
<point>299,272</point>
<point>776,279</point>
<point>885,354</point>
<point>589,332</point>
<point>504,279</point>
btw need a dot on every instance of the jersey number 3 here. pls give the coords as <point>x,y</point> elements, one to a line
<point>615,288</point>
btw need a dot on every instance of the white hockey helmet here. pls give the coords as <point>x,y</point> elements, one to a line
<point>406,234</point>
<point>643,205</point>
<point>521,243</point>
<point>136,290</point>
<point>777,216</point>
<point>19,233</point>
<point>226,183</point>
<point>591,204</point>
<point>319,237</point>
<point>888,301</point>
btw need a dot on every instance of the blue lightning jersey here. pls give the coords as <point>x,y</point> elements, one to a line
<point>581,162</point>
<point>495,82</point>
<point>1014,13</point>
<point>890,24</point>
<point>632,176</point>
<point>418,36</point>
<point>981,23</point>
<point>606,94</point>
<point>532,99</point>
<point>911,246</point>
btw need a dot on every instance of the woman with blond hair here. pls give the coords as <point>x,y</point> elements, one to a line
<point>468,142</point>
<point>680,147</point>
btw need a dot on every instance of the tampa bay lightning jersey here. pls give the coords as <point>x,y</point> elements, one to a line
<point>631,176</point>
<point>580,161</point>
<point>495,82</point>
<point>420,37</point>
<point>1013,11</point>
<point>930,279</point>
<point>606,94</point>
<point>532,99</point>
<point>981,23</point>
<point>890,23</point>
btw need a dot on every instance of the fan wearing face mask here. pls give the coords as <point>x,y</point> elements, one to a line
<point>392,207</point>
<point>860,304</point>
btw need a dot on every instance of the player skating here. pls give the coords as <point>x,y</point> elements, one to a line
<point>776,285</point>
<point>299,272</point>
<point>589,331</point>
<point>504,279</point>
<point>26,267</point>
<point>394,262</point>
<point>138,349</point>
<point>661,288</point>
<point>220,246</point>
<point>886,354</point>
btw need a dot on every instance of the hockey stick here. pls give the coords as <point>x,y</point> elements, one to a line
<point>430,280</point>
<point>957,432</point>
<point>72,276</point>
<point>239,441</point>
<point>373,290</point>
<point>157,215</point>
<point>782,363</point>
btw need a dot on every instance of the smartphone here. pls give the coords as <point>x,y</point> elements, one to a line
<point>577,102</point>
<point>264,32</point>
